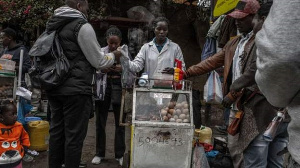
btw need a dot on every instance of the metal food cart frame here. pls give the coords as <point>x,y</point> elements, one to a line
<point>180,151</point>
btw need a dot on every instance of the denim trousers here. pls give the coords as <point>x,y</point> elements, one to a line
<point>261,153</point>
<point>113,94</point>
<point>68,129</point>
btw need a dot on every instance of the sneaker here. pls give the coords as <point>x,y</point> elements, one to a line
<point>28,158</point>
<point>120,160</point>
<point>82,164</point>
<point>96,160</point>
<point>222,129</point>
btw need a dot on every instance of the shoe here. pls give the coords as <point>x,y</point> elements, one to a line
<point>120,160</point>
<point>28,158</point>
<point>96,160</point>
<point>222,129</point>
<point>82,164</point>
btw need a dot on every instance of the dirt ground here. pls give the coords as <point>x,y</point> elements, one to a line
<point>216,118</point>
<point>88,148</point>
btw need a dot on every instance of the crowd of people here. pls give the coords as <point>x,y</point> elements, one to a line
<point>261,76</point>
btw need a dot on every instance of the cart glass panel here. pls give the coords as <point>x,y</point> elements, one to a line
<point>162,107</point>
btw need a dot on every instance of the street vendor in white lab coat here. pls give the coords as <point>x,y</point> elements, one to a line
<point>158,54</point>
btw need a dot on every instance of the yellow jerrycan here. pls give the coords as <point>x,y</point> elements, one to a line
<point>204,134</point>
<point>39,135</point>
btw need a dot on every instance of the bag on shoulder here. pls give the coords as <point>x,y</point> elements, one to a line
<point>50,65</point>
<point>234,126</point>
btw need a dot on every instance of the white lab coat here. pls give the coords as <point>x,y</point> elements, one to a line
<point>153,61</point>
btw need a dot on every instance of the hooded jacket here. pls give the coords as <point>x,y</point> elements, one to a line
<point>278,64</point>
<point>74,34</point>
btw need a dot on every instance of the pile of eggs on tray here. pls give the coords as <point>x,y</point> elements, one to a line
<point>176,112</point>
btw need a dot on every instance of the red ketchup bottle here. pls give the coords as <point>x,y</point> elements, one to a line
<point>178,74</point>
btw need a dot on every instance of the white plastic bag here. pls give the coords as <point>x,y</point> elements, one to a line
<point>199,159</point>
<point>24,93</point>
<point>213,89</point>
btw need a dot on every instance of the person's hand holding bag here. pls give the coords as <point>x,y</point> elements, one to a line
<point>227,102</point>
<point>230,98</point>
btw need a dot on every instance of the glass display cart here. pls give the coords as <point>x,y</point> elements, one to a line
<point>7,80</point>
<point>161,125</point>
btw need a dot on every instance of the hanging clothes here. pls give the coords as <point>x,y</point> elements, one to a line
<point>209,48</point>
<point>227,30</point>
<point>214,30</point>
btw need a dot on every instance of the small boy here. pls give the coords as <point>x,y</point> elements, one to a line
<point>13,137</point>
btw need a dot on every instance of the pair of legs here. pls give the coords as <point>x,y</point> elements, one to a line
<point>261,153</point>
<point>196,108</point>
<point>68,128</point>
<point>113,94</point>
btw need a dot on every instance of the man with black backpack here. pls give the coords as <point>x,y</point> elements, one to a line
<point>71,101</point>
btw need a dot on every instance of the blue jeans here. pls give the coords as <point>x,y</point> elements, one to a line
<point>226,116</point>
<point>262,154</point>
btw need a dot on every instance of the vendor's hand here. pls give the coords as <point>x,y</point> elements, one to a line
<point>117,54</point>
<point>106,70</point>
<point>7,56</point>
<point>184,75</point>
<point>117,68</point>
<point>168,70</point>
<point>227,102</point>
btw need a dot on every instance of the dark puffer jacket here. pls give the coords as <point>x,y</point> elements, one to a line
<point>80,77</point>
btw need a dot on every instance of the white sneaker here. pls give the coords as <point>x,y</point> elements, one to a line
<point>96,160</point>
<point>120,160</point>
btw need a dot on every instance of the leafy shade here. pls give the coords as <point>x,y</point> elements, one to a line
<point>32,14</point>
<point>28,14</point>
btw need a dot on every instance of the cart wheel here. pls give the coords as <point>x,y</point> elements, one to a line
<point>126,160</point>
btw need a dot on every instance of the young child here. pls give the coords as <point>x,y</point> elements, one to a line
<point>13,137</point>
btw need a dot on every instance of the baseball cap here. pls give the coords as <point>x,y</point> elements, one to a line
<point>244,8</point>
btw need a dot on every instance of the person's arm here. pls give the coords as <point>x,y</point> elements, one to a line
<point>25,138</point>
<point>90,47</point>
<point>138,63</point>
<point>278,53</point>
<point>203,67</point>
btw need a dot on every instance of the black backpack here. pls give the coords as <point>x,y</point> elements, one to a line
<point>50,65</point>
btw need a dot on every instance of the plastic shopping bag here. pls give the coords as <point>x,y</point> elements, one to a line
<point>199,159</point>
<point>209,48</point>
<point>213,89</point>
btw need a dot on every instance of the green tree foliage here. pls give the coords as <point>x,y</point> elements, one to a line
<point>28,14</point>
<point>31,14</point>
